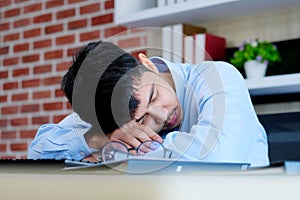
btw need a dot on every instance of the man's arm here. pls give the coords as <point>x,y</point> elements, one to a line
<point>64,140</point>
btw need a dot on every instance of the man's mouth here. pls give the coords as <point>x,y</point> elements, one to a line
<point>172,119</point>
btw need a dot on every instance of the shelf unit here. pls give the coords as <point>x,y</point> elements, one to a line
<point>147,13</point>
<point>143,13</point>
<point>279,84</point>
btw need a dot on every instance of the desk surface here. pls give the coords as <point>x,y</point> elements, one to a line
<point>44,181</point>
<point>157,187</point>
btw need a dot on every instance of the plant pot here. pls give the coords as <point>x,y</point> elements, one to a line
<point>255,69</point>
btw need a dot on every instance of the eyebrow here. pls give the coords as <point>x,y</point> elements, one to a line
<point>149,101</point>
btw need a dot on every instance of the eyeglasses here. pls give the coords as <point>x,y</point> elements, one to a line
<point>115,150</point>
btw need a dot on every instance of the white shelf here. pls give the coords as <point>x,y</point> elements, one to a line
<point>279,84</point>
<point>145,13</point>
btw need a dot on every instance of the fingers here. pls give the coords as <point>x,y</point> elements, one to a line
<point>133,134</point>
<point>151,134</point>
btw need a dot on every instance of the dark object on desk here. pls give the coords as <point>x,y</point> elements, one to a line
<point>283,131</point>
<point>43,166</point>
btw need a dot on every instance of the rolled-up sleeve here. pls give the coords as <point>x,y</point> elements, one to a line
<point>61,141</point>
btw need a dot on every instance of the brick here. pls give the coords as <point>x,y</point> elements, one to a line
<point>4,50</point>
<point>65,13</point>
<point>7,157</point>
<point>58,118</point>
<point>103,19</point>
<point>92,35</point>
<point>19,97</point>
<point>10,61</point>
<point>63,66</point>
<point>52,80</point>
<point>4,3</point>
<point>90,8</point>
<point>18,147</point>
<point>11,37</point>
<point>20,72</point>
<point>42,44</point>
<point>42,69</point>
<point>59,93</point>
<point>32,33</point>
<point>82,23</point>
<point>8,135</point>
<point>114,31</point>
<point>53,106</point>
<point>3,74</point>
<point>41,95</point>
<point>3,122</point>
<point>4,26</point>
<point>131,42</point>
<point>75,1</point>
<point>21,1</point>
<point>2,147</point>
<point>9,110</point>
<point>53,54</point>
<point>21,23</point>
<point>10,85</point>
<point>54,28</point>
<point>27,133</point>
<point>54,3</point>
<point>109,4</point>
<point>21,47</point>
<point>72,51</point>
<point>30,83</point>
<point>30,108</point>
<point>3,98</point>
<point>33,8</point>
<point>19,121</point>
<point>40,120</point>
<point>31,58</point>
<point>42,18</point>
<point>65,40</point>
<point>68,105</point>
<point>12,12</point>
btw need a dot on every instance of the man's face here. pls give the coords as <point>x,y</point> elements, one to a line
<point>159,107</point>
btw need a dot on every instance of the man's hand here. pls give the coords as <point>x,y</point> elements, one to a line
<point>133,134</point>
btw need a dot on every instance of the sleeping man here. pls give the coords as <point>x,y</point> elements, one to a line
<point>199,112</point>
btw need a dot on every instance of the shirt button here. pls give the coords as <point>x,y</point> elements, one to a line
<point>82,153</point>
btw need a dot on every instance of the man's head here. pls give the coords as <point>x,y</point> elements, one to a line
<point>125,89</point>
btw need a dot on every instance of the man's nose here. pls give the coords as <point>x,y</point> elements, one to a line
<point>158,113</point>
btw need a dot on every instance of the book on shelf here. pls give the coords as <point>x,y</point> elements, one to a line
<point>161,3</point>
<point>208,47</point>
<point>167,42</point>
<point>173,40</point>
<point>188,50</point>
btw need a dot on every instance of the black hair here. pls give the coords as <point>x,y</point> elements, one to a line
<point>68,79</point>
<point>114,74</point>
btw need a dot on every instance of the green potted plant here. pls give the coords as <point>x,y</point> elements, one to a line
<point>255,55</point>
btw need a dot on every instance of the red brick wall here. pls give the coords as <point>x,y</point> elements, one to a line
<point>37,41</point>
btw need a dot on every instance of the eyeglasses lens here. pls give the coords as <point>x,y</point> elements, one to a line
<point>114,151</point>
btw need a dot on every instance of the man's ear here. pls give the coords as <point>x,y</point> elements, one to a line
<point>147,63</point>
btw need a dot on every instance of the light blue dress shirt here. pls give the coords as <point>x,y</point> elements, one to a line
<point>219,121</point>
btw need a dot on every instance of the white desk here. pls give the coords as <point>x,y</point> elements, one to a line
<point>145,187</point>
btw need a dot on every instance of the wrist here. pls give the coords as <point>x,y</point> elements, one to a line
<point>95,140</point>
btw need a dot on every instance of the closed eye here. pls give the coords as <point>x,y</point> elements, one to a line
<point>156,95</point>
